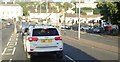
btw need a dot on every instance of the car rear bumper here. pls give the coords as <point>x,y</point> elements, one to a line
<point>50,52</point>
<point>46,49</point>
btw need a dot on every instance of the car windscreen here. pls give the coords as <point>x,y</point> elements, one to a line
<point>45,32</point>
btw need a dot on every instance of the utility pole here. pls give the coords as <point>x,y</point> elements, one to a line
<point>46,10</point>
<point>15,28</point>
<point>79,22</point>
<point>40,6</point>
<point>40,12</point>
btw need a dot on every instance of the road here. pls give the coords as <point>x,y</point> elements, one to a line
<point>73,51</point>
<point>93,37</point>
<point>6,33</point>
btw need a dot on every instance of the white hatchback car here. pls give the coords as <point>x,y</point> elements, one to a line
<point>43,39</point>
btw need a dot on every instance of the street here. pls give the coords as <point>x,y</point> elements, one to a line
<point>12,49</point>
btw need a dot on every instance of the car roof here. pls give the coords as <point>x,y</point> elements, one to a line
<point>44,27</point>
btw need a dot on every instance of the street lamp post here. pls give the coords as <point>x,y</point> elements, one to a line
<point>46,11</point>
<point>79,22</point>
<point>15,28</point>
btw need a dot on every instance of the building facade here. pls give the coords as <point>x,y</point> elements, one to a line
<point>10,11</point>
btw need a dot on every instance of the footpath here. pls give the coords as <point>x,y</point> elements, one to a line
<point>94,44</point>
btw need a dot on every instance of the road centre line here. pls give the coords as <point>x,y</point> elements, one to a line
<point>15,43</point>
<point>10,39</point>
<point>11,35</point>
<point>16,39</point>
<point>10,60</point>
<point>69,58</point>
<point>4,51</point>
<point>8,43</point>
<point>13,52</point>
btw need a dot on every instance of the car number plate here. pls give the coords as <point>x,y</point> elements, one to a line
<point>46,41</point>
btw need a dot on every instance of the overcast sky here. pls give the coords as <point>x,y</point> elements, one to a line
<point>53,0</point>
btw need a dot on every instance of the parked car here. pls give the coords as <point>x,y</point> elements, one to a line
<point>8,24</point>
<point>67,27</point>
<point>25,29</point>
<point>98,30</point>
<point>62,27</point>
<point>43,39</point>
<point>85,27</point>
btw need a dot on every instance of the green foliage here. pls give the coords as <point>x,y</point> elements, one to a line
<point>25,9</point>
<point>67,5</point>
<point>86,8</point>
<point>116,17</point>
<point>96,11</point>
<point>107,9</point>
<point>20,18</point>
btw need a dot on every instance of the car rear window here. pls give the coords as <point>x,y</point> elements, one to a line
<point>45,32</point>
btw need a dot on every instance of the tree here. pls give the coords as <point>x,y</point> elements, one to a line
<point>107,9</point>
<point>110,10</point>
<point>25,8</point>
<point>116,16</point>
<point>96,11</point>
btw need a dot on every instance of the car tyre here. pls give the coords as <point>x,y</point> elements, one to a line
<point>59,55</point>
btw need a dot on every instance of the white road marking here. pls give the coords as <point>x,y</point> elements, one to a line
<point>4,51</point>
<point>8,43</point>
<point>13,52</point>
<point>16,39</point>
<point>69,58</point>
<point>15,43</point>
<point>17,36</point>
<point>10,39</point>
<point>12,34</point>
<point>94,34</point>
<point>10,60</point>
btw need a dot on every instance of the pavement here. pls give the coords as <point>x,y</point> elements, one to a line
<point>95,44</point>
<point>92,37</point>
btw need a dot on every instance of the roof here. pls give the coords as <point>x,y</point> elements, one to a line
<point>83,16</point>
<point>9,5</point>
<point>42,10</point>
<point>44,26</point>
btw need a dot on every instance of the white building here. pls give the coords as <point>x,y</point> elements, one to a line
<point>10,11</point>
<point>90,5</point>
<point>54,17</point>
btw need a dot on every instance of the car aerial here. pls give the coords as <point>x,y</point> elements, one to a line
<point>98,30</point>
<point>43,39</point>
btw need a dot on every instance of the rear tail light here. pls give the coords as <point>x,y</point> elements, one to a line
<point>31,49</point>
<point>32,39</point>
<point>58,38</point>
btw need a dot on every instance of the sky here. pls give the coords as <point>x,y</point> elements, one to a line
<point>53,0</point>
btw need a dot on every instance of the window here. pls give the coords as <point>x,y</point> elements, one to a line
<point>45,32</point>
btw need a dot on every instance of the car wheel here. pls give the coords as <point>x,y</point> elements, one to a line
<point>59,55</point>
<point>28,55</point>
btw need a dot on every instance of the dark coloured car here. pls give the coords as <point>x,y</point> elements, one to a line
<point>98,30</point>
